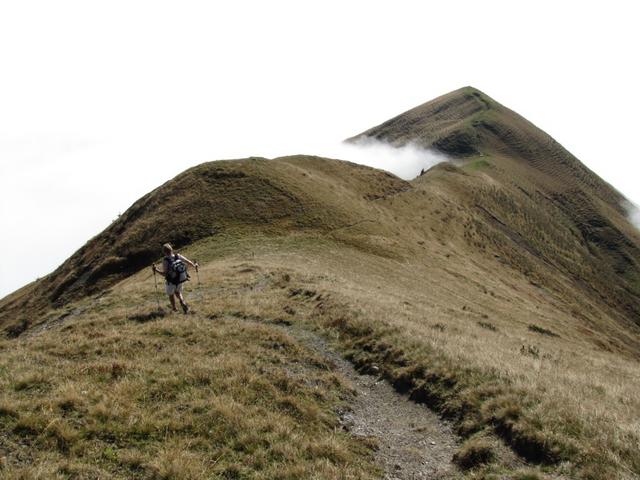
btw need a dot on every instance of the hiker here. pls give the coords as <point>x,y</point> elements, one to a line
<point>175,273</point>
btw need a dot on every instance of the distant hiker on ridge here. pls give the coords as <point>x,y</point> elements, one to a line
<point>175,273</point>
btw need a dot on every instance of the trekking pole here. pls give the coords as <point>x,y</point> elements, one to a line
<point>199,288</point>
<point>156,282</point>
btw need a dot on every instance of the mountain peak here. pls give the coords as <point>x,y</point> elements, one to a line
<point>451,123</point>
<point>467,123</point>
<point>470,93</point>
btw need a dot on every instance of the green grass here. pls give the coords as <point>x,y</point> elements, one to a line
<point>475,165</point>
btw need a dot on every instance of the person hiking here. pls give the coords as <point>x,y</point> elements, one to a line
<point>174,270</point>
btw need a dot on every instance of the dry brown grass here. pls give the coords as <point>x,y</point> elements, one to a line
<point>557,400</point>
<point>475,452</point>
<point>180,397</point>
<point>224,391</point>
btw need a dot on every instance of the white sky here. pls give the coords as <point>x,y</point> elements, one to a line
<point>102,101</point>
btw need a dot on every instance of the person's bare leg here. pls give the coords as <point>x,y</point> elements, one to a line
<point>172,299</point>
<point>185,307</point>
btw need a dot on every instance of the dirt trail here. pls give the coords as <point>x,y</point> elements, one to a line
<point>414,443</point>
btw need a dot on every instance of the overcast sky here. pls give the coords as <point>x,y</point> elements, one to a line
<point>102,101</point>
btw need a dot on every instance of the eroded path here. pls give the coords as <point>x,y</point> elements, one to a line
<point>414,443</point>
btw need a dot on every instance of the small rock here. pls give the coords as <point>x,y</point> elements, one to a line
<point>432,443</point>
<point>375,369</point>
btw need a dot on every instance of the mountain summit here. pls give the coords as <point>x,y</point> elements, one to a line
<point>467,123</point>
<point>542,183</point>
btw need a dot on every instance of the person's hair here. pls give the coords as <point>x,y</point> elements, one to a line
<point>167,248</point>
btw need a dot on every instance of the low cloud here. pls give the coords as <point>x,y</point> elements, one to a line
<point>633,213</point>
<point>406,161</point>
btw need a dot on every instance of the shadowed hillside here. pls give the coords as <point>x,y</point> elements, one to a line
<point>500,289</point>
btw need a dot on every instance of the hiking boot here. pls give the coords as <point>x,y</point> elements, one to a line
<point>185,308</point>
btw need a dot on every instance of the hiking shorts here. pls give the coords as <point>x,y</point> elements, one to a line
<point>172,289</point>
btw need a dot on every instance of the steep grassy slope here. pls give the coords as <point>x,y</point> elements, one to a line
<point>559,213</point>
<point>501,289</point>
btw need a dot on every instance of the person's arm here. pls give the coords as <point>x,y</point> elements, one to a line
<point>162,272</point>
<point>186,260</point>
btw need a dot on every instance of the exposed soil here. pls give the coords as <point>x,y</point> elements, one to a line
<point>414,443</point>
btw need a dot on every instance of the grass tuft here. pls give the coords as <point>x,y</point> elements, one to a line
<point>541,330</point>
<point>475,452</point>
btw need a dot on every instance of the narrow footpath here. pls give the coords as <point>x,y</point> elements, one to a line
<point>414,443</point>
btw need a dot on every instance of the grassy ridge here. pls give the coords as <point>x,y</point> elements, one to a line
<point>502,289</point>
